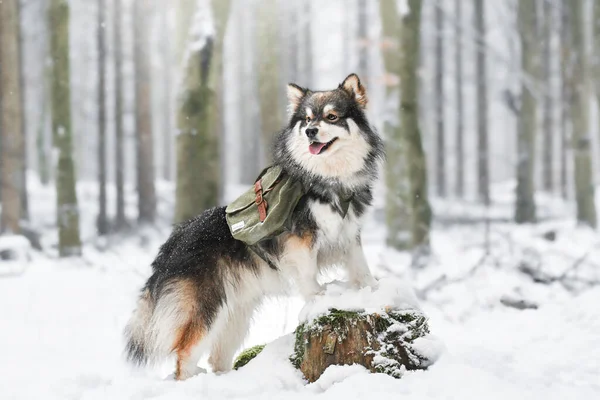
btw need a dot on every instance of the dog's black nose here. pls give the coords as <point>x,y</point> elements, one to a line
<point>312,132</point>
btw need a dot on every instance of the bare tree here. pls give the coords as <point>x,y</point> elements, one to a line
<point>198,120</point>
<point>69,243</point>
<point>102,220</point>
<point>267,36</point>
<point>11,118</point>
<point>525,203</point>
<point>460,131</point>
<point>120,221</point>
<point>483,174</point>
<point>565,77</point>
<point>396,175</point>
<point>548,123</point>
<point>363,40</point>
<point>581,142</point>
<point>143,119</point>
<point>440,165</point>
<point>166,134</point>
<point>411,134</point>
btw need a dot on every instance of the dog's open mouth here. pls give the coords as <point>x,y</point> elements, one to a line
<point>318,147</point>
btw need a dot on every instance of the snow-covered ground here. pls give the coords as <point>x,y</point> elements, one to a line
<point>61,321</point>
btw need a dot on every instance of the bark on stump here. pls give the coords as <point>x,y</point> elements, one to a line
<point>381,342</point>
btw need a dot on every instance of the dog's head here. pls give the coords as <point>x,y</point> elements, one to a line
<point>328,133</point>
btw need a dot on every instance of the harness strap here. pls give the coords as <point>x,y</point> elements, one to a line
<point>260,201</point>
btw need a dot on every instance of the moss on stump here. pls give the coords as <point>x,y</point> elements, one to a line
<point>381,342</point>
<point>247,355</point>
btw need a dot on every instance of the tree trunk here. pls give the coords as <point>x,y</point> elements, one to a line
<point>525,203</point>
<point>440,166</point>
<point>24,193</point>
<point>460,131</point>
<point>120,221</point>
<point>363,41</point>
<point>69,243</point>
<point>396,176</point>
<point>267,37</point>
<point>483,174</point>
<point>308,49</point>
<point>582,143</point>
<point>143,118</point>
<point>166,134</point>
<point>565,76</point>
<point>379,342</point>
<point>102,221</point>
<point>198,142</point>
<point>11,118</point>
<point>409,123</point>
<point>548,123</point>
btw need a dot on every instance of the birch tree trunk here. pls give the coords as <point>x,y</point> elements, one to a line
<point>69,243</point>
<point>409,123</point>
<point>440,165</point>
<point>143,118</point>
<point>525,203</point>
<point>198,122</point>
<point>121,221</point>
<point>102,221</point>
<point>267,37</point>
<point>397,200</point>
<point>460,131</point>
<point>483,174</point>
<point>581,142</point>
<point>11,118</point>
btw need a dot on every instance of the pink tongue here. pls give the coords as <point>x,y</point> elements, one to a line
<point>315,148</point>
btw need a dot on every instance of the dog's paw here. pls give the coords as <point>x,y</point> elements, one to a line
<point>365,282</point>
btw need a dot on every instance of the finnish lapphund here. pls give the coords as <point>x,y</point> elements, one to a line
<point>206,285</point>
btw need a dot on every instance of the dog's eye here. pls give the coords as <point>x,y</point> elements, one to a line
<point>307,118</point>
<point>332,117</point>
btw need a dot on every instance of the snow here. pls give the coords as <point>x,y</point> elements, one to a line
<point>62,320</point>
<point>14,254</point>
<point>390,293</point>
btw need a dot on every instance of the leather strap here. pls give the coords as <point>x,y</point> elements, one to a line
<point>260,201</point>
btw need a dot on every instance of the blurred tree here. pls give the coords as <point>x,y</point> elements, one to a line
<point>120,219</point>
<point>307,13</point>
<point>483,174</point>
<point>267,37</point>
<point>526,132</point>
<point>581,141</point>
<point>166,58</point>
<point>11,118</point>
<point>411,134</point>
<point>440,165</point>
<point>69,243</point>
<point>397,200</point>
<point>102,220</point>
<point>460,130</point>
<point>143,117</point>
<point>565,74</point>
<point>363,40</point>
<point>198,119</point>
<point>547,123</point>
<point>24,193</point>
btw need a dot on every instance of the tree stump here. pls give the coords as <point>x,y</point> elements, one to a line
<point>381,342</point>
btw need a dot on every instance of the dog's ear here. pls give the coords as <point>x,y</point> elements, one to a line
<point>295,95</point>
<point>355,89</point>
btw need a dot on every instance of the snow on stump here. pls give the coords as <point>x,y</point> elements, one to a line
<point>382,330</point>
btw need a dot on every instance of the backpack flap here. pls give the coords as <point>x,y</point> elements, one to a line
<point>264,210</point>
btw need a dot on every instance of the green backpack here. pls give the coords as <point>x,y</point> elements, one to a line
<point>265,210</point>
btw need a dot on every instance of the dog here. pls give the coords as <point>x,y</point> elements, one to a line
<point>206,285</point>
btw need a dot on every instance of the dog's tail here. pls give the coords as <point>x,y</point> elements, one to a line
<point>140,344</point>
<point>159,326</point>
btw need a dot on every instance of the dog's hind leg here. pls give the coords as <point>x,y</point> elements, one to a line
<point>189,347</point>
<point>231,336</point>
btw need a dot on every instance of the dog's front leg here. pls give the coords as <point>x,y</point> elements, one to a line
<point>358,269</point>
<point>300,261</point>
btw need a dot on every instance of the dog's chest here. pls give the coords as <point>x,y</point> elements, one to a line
<point>334,230</point>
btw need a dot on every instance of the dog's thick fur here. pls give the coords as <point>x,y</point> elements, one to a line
<point>206,284</point>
